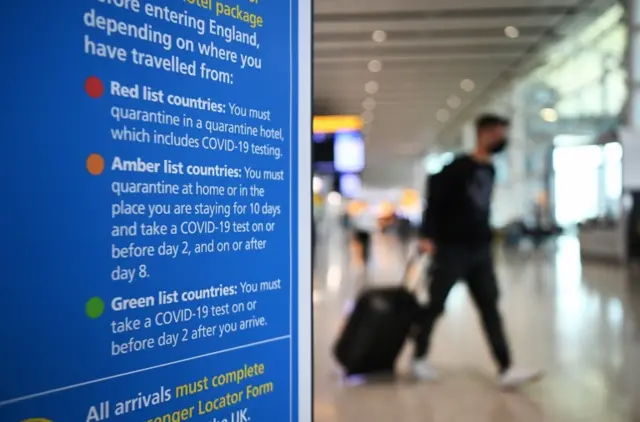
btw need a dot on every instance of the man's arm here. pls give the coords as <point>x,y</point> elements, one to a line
<point>437,189</point>
<point>430,211</point>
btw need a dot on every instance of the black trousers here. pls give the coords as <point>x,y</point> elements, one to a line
<point>475,266</point>
<point>405,246</point>
<point>364,239</point>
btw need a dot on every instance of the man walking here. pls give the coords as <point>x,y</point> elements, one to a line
<point>456,232</point>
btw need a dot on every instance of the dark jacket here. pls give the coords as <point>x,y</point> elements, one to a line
<point>458,203</point>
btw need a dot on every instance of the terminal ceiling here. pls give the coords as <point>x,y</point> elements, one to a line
<point>434,64</point>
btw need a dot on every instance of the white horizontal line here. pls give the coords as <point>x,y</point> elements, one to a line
<point>137,371</point>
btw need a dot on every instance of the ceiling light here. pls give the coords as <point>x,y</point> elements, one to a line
<point>379,36</point>
<point>468,85</point>
<point>375,66</point>
<point>454,101</point>
<point>367,116</point>
<point>442,115</point>
<point>549,115</point>
<point>371,87</point>
<point>511,32</point>
<point>369,103</point>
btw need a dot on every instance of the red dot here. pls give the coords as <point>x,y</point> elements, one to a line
<point>94,87</point>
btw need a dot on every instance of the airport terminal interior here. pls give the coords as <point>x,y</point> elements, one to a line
<point>397,88</point>
<point>474,248</point>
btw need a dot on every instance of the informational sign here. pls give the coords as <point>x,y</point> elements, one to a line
<point>333,124</point>
<point>156,205</point>
<point>323,154</point>
<point>349,154</point>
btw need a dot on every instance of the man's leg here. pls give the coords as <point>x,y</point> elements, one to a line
<point>484,289</point>
<point>357,235</point>
<point>366,247</point>
<point>483,286</point>
<point>446,269</point>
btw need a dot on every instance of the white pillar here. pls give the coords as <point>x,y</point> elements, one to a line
<point>630,134</point>
<point>633,65</point>
<point>419,175</point>
<point>468,137</point>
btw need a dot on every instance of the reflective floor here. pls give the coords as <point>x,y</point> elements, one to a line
<point>579,322</point>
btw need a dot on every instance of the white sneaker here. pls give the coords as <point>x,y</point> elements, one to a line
<point>424,371</point>
<point>516,377</point>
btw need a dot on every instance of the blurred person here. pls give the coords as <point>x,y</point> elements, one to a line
<point>456,232</point>
<point>404,230</point>
<point>364,224</point>
<point>313,242</point>
<point>345,220</point>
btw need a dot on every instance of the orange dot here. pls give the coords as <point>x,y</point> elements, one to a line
<point>95,164</point>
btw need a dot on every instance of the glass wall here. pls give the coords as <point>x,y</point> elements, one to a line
<point>588,182</point>
<point>585,85</point>
<point>434,163</point>
<point>577,95</point>
<point>587,71</point>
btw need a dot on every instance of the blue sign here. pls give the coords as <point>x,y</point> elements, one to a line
<point>156,172</point>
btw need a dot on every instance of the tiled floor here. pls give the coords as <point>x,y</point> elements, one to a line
<point>580,322</point>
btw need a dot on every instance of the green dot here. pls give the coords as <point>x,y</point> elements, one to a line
<point>94,307</point>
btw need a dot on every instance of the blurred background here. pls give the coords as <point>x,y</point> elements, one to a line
<point>397,86</point>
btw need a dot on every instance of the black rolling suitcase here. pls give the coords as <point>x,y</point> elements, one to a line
<point>378,327</point>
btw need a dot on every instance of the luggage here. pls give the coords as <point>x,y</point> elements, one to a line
<point>378,327</point>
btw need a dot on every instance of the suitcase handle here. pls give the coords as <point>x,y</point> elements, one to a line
<point>414,258</point>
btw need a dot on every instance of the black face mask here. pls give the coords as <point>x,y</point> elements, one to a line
<point>499,146</point>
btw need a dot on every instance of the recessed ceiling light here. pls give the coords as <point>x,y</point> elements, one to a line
<point>375,66</point>
<point>468,85</point>
<point>367,116</point>
<point>454,101</point>
<point>442,115</point>
<point>371,87</point>
<point>379,36</point>
<point>511,32</point>
<point>549,115</point>
<point>369,103</point>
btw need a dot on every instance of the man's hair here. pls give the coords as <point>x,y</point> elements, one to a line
<point>489,121</point>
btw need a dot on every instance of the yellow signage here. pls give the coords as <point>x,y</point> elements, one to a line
<point>333,124</point>
<point>386,209</point>
<point>410,198</point>
<point>37,420</point>
<point>356,208</point>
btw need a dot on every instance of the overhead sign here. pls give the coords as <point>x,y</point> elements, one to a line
<point>333,124</point>
<point>156,205</point>
<point>349,152</point>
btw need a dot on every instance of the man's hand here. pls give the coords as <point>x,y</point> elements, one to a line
<point>426,246</point>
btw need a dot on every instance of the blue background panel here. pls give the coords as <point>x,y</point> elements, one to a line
<point>56,217</point>
<point>78,403</point>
